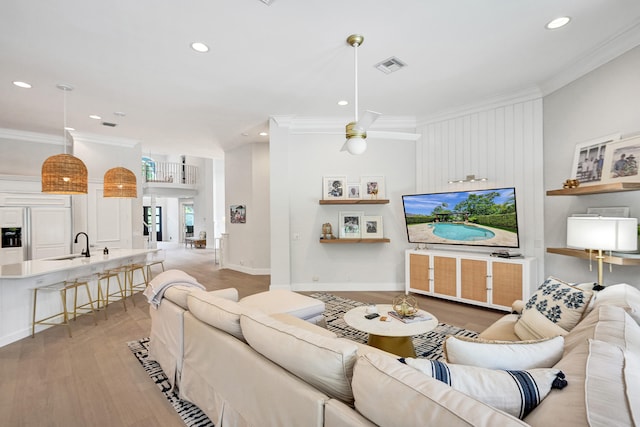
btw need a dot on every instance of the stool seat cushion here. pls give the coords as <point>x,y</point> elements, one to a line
<point>284,301</point>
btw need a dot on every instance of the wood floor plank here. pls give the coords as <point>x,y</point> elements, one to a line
<point>94,379</point>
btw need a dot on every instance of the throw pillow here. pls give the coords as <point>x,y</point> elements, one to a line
<point>533,325</point>
<point>560,302</point>
<point>514,392</point>
<point>503,354</point>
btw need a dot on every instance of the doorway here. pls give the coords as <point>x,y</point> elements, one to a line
<point>146,218</point>
<point>187,219</point>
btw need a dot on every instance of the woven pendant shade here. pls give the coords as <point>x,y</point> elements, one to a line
<point>120,182</point>
<point>64,174</point>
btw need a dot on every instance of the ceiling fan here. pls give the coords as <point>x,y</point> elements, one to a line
<point>356,131</point>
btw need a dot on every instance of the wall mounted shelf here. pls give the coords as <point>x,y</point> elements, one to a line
<point>596,189</point>
<point>584,254</point>
<point>355,202</point>
<point>340,241</point>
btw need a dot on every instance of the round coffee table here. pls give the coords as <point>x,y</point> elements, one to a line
<point>394,336</point>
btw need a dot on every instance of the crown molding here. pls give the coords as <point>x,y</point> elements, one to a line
<point>524,95</point>
<point>100,139</point>
<point>20,135</point>
<point>308,124</point>
<point>615,46</point>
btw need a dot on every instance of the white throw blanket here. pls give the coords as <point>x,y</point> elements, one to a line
<point>155,291</point>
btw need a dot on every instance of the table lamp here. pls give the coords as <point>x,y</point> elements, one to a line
<point>599,234</point>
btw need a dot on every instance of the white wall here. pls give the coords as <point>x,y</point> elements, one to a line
<point>247,183</point>
<point>603,102</point>
<point>502,143</point>
<point>299,260</point>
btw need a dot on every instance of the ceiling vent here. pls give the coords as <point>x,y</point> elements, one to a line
<point>267,2</point>
<point>390,65</point>
<point>109,124</point>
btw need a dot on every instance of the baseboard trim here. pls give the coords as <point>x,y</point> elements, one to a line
<point>248,270</point>
<point>347,286</point>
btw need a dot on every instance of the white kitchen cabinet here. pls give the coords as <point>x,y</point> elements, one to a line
<point>470,277</point>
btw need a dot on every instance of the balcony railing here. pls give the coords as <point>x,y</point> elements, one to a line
<point>169,172</point>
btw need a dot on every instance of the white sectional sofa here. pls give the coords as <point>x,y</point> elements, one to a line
<point>244,367</point>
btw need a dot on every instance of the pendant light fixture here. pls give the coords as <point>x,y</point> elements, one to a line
<point>64,173</point>
<point>119,181</point>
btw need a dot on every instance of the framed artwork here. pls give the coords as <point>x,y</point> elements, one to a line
<point>589,158</point>
<point>621,161</point>
<point>372,187</point>
<point>351,225</point>
<point>238,214</point>
<point>372,227</point>
<point>353,191</point>
<point>334,187</point>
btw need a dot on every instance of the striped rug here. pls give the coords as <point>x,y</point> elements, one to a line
<point>427,345</point>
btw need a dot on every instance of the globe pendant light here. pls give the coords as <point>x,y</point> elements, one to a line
<point>120,182</point>
<point>64,173</point>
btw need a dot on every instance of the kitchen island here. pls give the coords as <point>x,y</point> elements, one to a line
<point>18,280</point>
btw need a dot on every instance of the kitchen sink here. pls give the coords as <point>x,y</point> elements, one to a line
<point>66,257</point>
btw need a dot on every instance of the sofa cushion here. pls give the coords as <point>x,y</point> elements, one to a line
<point>503,354</point>
<point>502,329</point>
<point>515,392</point>
<point>322,361</point>
<point>284,301</point>
<point>606,389</point>
<point>559,302</point>
<point>609,324</point>
<point>391,394</point>
<point>533,325</point>
<point>178,294</point>
<point>218,312</point>
<point>622,295</point>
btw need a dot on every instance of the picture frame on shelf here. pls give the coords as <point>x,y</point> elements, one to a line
<point>589,159</point>
<point>372,227</point>
<point>334,187</point>
<point>621,161</point>
<point>372,187</point>
<point>353,190</point>
<point>350,225</point>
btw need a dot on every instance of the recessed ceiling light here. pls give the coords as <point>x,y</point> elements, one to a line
<point>199,47</point>
<point>95,117</point>
<point>343,102</point>
<point>69,128</point>
<point>557,23</point>
<point>263,134</point>
<point>23,85</point>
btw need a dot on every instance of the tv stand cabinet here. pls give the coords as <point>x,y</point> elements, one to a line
<point>469,277</point>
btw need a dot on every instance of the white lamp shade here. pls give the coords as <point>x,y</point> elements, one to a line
<point>606,233</point>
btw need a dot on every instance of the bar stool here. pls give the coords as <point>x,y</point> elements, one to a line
<point>129,278</point>
<point>105,295</point>
<point>62,290</point>
<point>155,258</point>
<point>87,307</point>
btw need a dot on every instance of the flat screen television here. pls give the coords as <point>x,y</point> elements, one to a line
<point>471,218</point>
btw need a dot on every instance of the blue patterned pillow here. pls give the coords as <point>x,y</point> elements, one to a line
<point>514,392</point>
<point>560,302</point>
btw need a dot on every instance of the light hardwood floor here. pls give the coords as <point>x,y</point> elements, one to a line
<point>93,379</point>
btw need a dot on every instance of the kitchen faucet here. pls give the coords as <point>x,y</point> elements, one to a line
<point>86,251</point>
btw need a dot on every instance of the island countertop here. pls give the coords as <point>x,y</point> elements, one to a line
<point>38,267</point>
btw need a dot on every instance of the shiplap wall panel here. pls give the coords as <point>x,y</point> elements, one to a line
<point>502,143</point>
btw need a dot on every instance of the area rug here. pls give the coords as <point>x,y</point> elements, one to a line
<point>427,345</point>
<point>190,413</point>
